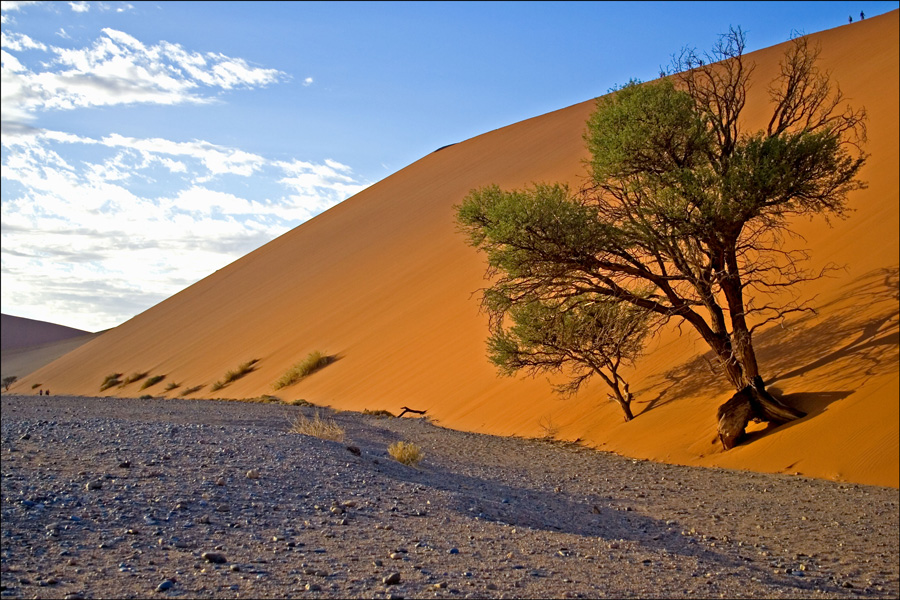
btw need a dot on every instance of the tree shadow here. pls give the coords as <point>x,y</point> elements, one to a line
<point>860,339</point>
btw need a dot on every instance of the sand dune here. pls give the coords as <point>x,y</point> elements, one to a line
<point>18,332</point>
<point>385,283</point>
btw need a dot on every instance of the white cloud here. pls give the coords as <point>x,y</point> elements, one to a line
<point>118,69</point>
<point>80,7</point>
<point>308,81</point>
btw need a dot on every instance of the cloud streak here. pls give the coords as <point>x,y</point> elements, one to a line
<point>118,69</point>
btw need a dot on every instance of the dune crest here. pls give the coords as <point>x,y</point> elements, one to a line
<point>385,285</point>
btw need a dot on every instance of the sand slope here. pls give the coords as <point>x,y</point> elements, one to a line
<point>385,283</point>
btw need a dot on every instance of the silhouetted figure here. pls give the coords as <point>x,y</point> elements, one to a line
<point>862,15</point>
<point>48,393</point>
<point>40,392</point>
<point>850,19</point>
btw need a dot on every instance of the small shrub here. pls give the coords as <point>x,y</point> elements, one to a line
<point>301,402</point>
<point>378,413</point>
<point>309,365</point>
<point>190,391</point>
<point>36,386</point>
<point>152,381</point>
<point>406,453</point>
<point>110,380</point>
<point>171,386</point>
<point>8,381</point>
<point>243,369</point>
<point>146,397</point>
<point>216,386</point>
<point>325,429</point>
<point>134,377</point>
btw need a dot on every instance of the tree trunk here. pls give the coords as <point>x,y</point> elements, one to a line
<point>753,402</point>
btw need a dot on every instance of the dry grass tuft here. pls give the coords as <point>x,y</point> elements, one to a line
<point>110,380</point>
<point>406,453</point>
<point>325,429</point>
<point>309,365</point>
<point>134,377</point>
<point>191,390</point>
<point>152,381</point>
<point>378,413</point>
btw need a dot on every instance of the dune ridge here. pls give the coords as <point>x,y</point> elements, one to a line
<point>385,284</point>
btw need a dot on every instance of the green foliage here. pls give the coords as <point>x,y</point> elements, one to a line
<point>684,214</point>
<point>8,381</point>
<point>171,386</point>
<point>312,363</point>
<point>152,381</point>
<point>242,369</point>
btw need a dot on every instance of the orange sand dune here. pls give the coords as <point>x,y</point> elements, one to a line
<point>384,282</point>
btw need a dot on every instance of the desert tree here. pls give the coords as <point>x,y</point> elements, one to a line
<point>581,337</point>
<point>687,212</point>
<point>8,381</point>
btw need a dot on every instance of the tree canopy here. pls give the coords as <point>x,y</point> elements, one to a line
<point>686,211</point>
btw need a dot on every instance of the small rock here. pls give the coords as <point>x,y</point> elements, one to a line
<point>313,587</point>
<point>252,474</point>
<point>392,579</point>
<point>220,481</point>
<point>214,557</point>
<point>453,551</point>
<point>93,485</point>
<point>166,584</point>
<point>354,450</point>
<point>125,464</point>
<point>337,510</point>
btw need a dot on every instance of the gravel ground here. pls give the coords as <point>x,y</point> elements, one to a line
<point>200,499</point>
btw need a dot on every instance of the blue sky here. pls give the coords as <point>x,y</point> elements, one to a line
<point>147,144</point>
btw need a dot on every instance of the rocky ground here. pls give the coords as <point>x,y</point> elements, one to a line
<point>108,498</point>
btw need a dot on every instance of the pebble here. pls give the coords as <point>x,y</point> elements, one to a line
<point>214,557</point>
<point>392,579</point>
<point>165,585</point>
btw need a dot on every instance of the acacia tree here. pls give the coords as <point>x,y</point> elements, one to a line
<point>686,212</point>
<point>584,338</point>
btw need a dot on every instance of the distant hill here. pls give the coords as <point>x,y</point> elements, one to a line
<point>19,332</point>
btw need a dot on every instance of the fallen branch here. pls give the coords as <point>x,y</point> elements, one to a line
<point>407,409</point>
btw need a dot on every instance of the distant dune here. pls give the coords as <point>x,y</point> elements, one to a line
<point>18,332</point>
<point>385,284</point>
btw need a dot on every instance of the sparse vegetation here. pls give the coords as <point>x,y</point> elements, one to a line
<point>171,386</point>
<point>301,402</point>
<point>309,365</point>
<point>152,381</point>
<point>36,386</point>
<point>325,429</point>
<point>191,390</point>
<point>216,386</point>
<point>146,397</point>
<point>378,413</point>
<point>110,380</point>
<point>406,453</point>
<point>134,377</point>
<point>242,369</point>
<point>8,381</point>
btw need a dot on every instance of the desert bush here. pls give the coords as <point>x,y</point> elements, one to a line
<point>325,429</point>
<point>36,386</point>
<point>146,397</point>
<point>8,381</point>
<point>171,386</point>
<point>152,381</point>
<point>191,390</point>
<point>134,377</point>
<point>110,380</point>
<point>309,365</point>
<point>301,402</point>
<point>406,453</point>
<point>378,413</point>
<point>217,386</point>
<point>242,369</point>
